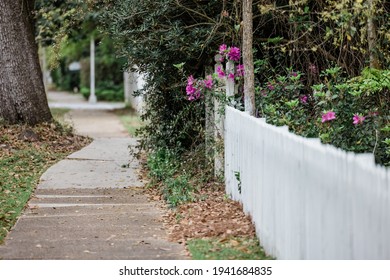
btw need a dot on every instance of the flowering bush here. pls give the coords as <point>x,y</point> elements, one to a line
<point>197,88</point>
<point>282,101</point>
<point>361,111</point>
<point>350,114</point>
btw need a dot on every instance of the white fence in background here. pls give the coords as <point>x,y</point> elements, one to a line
<point>307,200</point>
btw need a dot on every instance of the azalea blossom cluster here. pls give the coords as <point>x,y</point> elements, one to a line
<point>232,54</point>
<point>330,115</point>
<point>196,87</point>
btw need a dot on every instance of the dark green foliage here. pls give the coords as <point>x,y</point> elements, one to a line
<point>155,35</point>
<point>54,17</point>
<point>67,26</point>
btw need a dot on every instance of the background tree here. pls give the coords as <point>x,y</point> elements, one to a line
<point>22,92</point>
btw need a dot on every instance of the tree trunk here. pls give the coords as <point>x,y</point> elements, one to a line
<point>22,92</point>
<point>247,38</point>
<point>371,36</point>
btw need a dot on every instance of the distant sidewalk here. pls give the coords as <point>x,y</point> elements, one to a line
<point>61,99</point>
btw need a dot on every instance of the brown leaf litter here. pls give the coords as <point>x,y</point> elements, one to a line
<point>212,215</point>
<point>48,137</point>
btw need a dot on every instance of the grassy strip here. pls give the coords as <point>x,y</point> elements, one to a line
<point>232,248</point>
<point>20,173</point>
<point>59,113</point>
<point>130,120</point>
<point>25,153</point>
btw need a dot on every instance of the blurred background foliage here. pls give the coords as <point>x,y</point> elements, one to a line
<point>337,46</point>
<point>64,28</point>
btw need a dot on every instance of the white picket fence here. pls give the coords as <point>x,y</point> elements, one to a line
<point>307,200</point>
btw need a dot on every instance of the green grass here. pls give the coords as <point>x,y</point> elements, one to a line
<point>226,249</point>
<point>130,120</point>
<point>131,123</point>
<point>58,113</point>
<point>19,175</point>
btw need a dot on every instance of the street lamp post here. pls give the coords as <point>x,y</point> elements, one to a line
<point>92,95</point>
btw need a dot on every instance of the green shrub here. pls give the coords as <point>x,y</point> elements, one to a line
<point>166,169</point>
<point>283,101</point>
<point>352,114</point>
<point>361,106</point>
<point>162,164</point>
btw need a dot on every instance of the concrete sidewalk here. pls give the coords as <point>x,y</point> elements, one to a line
<point>75,101</point>
<point>91,205</point>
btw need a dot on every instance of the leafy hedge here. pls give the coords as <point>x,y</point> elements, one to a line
<point>156,36</point>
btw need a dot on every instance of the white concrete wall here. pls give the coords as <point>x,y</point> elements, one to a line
<point>307,200</point>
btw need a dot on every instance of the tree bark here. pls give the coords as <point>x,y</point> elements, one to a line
<point>22,92</point>
<point>247,38</point>
<point>371,36</point>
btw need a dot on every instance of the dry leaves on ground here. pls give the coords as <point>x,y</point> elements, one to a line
<point>47,137</point>
<point>213,216</point>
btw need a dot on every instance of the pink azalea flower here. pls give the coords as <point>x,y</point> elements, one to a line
<point>234,54</point>
<point>190,80</point>
<point>208,83</point>
<point>220,72</point>
<point>190,85</point>
<point>303,99</point>
<point>192,92</point>
<point>231,76</point>
<point>328,116</point>
<point>240,70</point>
<point>357,119</point>
<point>222,49</point>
